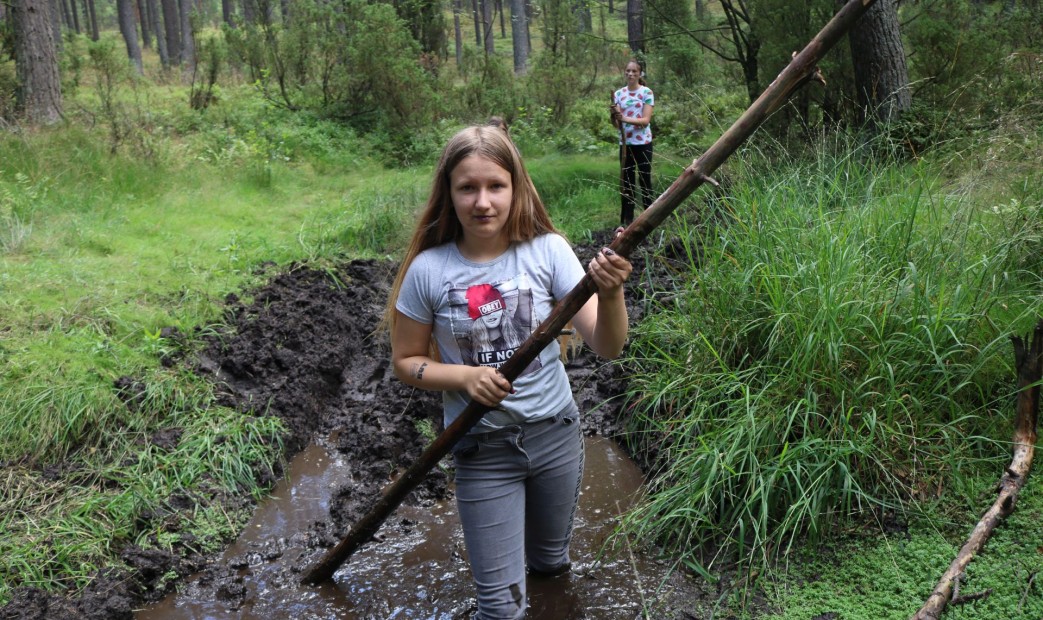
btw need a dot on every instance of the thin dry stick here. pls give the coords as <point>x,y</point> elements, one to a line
<point>1029,364</point>
<point>800,70</point>
<point>1028,587</point>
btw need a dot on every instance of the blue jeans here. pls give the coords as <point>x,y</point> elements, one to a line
<point>517,489</point>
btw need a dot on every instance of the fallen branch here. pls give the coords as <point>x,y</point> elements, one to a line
<point>800,70</point>
<point>1029,365</point>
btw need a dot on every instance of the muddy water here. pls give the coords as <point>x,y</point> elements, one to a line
<point>419,570</point>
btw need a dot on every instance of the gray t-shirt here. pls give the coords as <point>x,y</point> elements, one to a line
<point>482,312</point>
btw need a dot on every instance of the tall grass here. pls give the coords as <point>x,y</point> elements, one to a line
<point>61,522</point>
<point>837,346</point>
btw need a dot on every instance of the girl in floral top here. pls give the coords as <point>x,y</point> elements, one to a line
<point>632,114</point>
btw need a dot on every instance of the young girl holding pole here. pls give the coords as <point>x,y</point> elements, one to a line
<point>485,250</point>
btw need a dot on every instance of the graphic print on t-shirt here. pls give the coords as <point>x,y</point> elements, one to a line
<point>490,321</point>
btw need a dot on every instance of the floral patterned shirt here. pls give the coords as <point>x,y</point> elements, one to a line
<point>632,104</point>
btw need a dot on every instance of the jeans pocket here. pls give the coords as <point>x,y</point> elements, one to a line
<point>466,448</point>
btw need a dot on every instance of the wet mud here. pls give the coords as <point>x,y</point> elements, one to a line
<point>302,348</point>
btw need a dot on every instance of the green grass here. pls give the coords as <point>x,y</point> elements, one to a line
<point>837,345</point>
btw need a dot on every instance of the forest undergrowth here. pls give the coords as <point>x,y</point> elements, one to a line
<point>823,394</point>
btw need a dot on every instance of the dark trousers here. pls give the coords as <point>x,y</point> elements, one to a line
<point>633,156</point>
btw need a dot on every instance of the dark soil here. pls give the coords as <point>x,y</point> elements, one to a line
<point>303,348</point>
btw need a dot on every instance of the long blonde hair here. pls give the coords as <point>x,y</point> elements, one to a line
<point>438,223</point>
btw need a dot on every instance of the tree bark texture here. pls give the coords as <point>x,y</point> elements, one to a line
<point>39,95</point>
<point>172,26</point>
<point>64,12</point>
<point>129,29</point>
<point>636,25</point>
<point>92,16</point>
<point>56,22</point>
<point>881,73</point>
<point>1028,361</point>
<point>188,46</point>
<point>146,24</point>
<point>249,12</point>
<point>801,69</point>
<point>228,13</point>
<point>75,16</point>
<point>155,16</point>
<point>520,37</point>
<point>487,25</point>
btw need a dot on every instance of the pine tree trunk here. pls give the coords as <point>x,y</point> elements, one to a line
<point>188,46</point>
<point>125,13</point>
<point>249,12</point>
<point>66,18</point>
<point>172,24</point>
<point>529,11</point>
<point>146,24</point>
<point>881,74</point>
<point>228,12</point>
<point>477,23</point>
<point>157,27</point>
<point>39,94</point>
<point>487,26</point>
<point>75,16</point>
<point>92,17</point>
<point>520,37</point>
<point>635,25</point>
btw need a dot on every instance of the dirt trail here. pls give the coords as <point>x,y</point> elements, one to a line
<point>302,349</point>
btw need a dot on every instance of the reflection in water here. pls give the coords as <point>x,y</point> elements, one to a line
<point>419,570</point>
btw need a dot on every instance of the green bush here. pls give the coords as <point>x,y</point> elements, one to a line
<point>973,57</point>
<point>488,89</point>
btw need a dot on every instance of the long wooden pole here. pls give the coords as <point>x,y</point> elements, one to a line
<point>800,69</point>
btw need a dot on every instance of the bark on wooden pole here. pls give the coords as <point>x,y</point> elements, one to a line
<point>1029,365</point>
<point>800,70</point>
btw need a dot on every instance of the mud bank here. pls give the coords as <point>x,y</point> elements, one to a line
<point>302,348</point>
